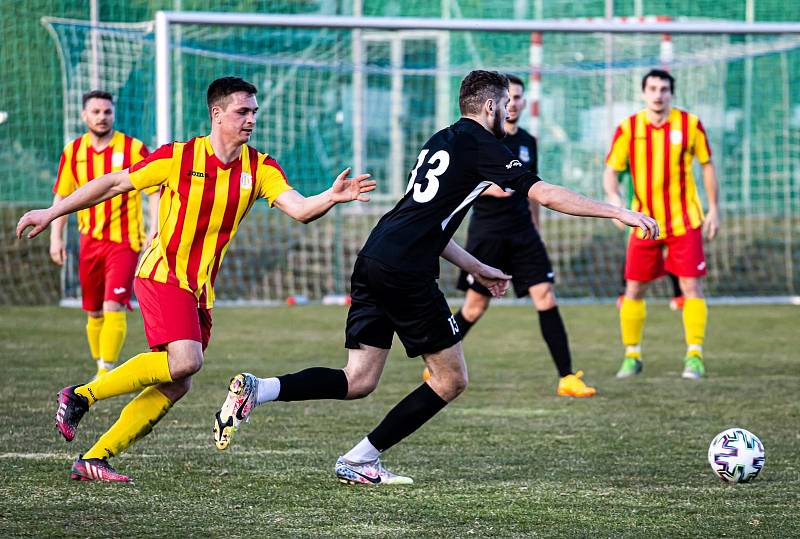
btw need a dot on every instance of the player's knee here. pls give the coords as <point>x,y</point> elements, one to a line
<point>112,306</point>
<point>185,364</point>
<point>543,296</point>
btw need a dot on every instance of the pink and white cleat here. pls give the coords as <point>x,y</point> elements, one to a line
<point>238,404</point>
<point>369,473</point>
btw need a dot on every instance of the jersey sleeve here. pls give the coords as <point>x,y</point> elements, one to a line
<point>271,179</point>
<point>617,157</point>
<point>138,155</point>
<point>534,155</point>
<point>153,170</point>
<point>66,182</point>
<point>701,148</point>
<point>497,164</point>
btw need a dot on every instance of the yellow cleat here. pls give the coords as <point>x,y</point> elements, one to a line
<point>426,375</point>
<point>571,385</point>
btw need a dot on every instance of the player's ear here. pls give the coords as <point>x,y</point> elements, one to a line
<point>489,106</point>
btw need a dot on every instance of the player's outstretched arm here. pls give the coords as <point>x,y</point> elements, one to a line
<point>492,278</point>
<point>611,187</point>
<point>711,221</point>
<point>344,189</point>
<point>90,194</point>
<point>58,249</point>
<point>566,201</point>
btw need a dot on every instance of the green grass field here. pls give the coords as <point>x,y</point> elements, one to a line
<point>506,459</point>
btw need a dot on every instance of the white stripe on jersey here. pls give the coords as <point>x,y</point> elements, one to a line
<point>470,197</point>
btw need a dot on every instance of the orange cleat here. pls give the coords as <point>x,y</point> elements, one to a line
<point>571,385</point>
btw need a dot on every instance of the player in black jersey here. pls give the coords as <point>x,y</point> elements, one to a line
<point>394,289</point>
<point>503,233</point>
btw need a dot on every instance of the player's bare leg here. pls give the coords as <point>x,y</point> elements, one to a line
<point>448,379</point>
<point>632,316</point>
<point>695,315</point>
<point>555,335</point>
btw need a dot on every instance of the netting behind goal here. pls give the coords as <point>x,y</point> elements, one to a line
<point>321,111</point>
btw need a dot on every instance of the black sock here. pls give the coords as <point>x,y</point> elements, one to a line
<point>407,416</point>
<point>555,335</point>
<point>463,324</point>
<point>676,286</point>
<point>312,384</point>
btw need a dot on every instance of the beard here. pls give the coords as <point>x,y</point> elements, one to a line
<point>100,134</point>
<point>498,129</point>
<point>510,120</point>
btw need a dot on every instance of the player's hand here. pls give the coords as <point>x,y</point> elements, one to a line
<point>38,219</point>
<point>345,189</point>
<point>58,251</point>
<point>711,224</point>
<point>496,191</point>
<point>648,225</point>
<point>492,279</point>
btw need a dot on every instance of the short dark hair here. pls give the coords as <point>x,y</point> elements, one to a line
<point>220,89</point>
<point>513,79</point>
<point>477,87</point>
<point>96,94</point>
<point>660,74</point>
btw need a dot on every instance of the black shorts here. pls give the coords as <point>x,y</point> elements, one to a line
<point>385,301</point>
<point>520,254</point>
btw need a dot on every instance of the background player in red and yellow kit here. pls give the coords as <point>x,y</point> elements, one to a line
<point>659,144</point>
<point>112,232</point>
<point>208,185</point>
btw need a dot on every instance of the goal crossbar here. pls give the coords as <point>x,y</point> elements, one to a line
<point>166,18</point>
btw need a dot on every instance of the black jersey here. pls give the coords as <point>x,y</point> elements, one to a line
<point>455,166</point>
<point>512,214</point>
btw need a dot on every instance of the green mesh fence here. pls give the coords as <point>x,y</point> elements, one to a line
<point>745,89</point>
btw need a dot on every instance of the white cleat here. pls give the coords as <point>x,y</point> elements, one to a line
<point>238,404</point>
<point>369,473</point>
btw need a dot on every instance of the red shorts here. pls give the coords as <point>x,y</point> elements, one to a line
<point>170,314</point>
<point>106,271</point>
<point>684,257</point>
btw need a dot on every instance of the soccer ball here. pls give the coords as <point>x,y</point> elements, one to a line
<point>736,455</point>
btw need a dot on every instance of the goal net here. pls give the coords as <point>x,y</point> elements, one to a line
<point>370,98</point>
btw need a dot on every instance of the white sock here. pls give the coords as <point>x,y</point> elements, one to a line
<point>268,390</point>
<point>698,349</point>
<point>634,350</point>
<point>363,452</point>
<point>107,365</point>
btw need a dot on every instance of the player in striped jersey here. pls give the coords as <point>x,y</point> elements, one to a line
<point>659,145</point>
<point>208,185</point>
<point>111,233</point>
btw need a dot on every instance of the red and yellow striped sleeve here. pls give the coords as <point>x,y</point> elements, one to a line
<point>139,152</point>
<point>66,182</point>
<point>271,179</point>
<point>154,169</point>
<point>701,148</point>
<point>617,157</point>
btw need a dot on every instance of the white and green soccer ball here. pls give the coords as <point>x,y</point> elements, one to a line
<point>736,455</point>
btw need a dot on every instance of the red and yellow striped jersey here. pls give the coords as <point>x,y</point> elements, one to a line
<point>660,160</point>
<point>202,203</point>
<point>118,219</point>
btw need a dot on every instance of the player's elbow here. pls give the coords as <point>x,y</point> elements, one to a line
<point>543,193</point>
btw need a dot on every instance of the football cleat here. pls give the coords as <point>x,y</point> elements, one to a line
<point>238,404</point>
<point>631,366</point>
<point>71,408</point>
<point>426,374</point>
<point>96,470</point>
<point>693,368</point>
<point>571,385</point>
<point>676,303</point>
<point>369,473</point>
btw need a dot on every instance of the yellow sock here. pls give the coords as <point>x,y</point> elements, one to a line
<point>138,372</point>
<point>695,314</point>
<point>93,328</point>
<point>135,421</point>
<point>631,320</point>
<point>113,335</point>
